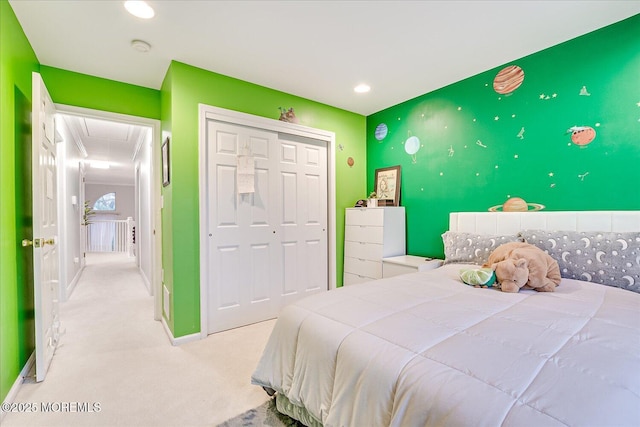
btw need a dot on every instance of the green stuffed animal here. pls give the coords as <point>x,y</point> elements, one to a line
<point>479,277</point>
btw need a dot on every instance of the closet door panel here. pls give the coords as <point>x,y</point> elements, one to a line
<point>306,160</point>
<point>242,246</point>
<point>268,247</point>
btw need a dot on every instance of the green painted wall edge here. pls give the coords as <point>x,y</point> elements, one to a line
<point>17,62</point>
<point>82,90</point>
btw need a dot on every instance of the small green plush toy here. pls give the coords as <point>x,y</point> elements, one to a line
<point>479,277</point>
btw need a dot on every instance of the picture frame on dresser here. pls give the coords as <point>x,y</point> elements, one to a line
<point>387,184</point>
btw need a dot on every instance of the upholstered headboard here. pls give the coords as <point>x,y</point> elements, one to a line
<point>513,222</point>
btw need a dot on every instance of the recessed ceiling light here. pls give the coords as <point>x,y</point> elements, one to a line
<point>140,9</point>
<point>362,88</point>
<point>140,46</point>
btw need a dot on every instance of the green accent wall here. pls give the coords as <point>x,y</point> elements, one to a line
<point>17,62</point>
<point>188,86</point>
<point>82,90</point>
<point>478,148</point>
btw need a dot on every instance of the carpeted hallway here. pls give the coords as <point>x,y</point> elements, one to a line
<point>118,360</point>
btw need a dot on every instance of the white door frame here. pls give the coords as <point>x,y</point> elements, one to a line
<point>83,230</point>
<point>156,229</point>
<point>208,112</point>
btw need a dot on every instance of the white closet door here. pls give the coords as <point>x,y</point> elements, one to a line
<point>266,248</point>
<point>303,224</point>
<point>243,249</point>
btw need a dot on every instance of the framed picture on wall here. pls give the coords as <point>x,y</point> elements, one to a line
<point>388,184</point>
<point>165,163</point>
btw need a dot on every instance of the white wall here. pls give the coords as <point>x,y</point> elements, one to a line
<point>69,214</point>
<point>144,219</point>
<point>124,199</point>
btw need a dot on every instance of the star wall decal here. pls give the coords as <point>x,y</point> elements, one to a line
<point>545,96</point>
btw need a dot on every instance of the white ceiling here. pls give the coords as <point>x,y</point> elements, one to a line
<point>318,50</point>
<point>106,141</point>
<point>314,49</point>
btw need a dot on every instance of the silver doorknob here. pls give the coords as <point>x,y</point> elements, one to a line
<point>27,242</point>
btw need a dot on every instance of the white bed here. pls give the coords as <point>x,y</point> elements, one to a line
<point>425,349</point>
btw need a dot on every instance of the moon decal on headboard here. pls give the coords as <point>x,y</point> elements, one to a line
<point>624,244</point>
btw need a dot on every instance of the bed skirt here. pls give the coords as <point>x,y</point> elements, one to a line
<point>284,406</point>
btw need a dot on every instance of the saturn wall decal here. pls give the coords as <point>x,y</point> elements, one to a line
<point>516,204</point>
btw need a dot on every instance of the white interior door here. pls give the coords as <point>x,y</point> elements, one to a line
<point>45,227</point>
<point>268,247</point>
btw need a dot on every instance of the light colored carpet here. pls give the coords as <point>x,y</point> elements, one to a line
<point>115,355</point>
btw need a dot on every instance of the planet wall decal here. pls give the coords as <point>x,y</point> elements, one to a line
<point>508,79</point>
<point>381,131</point>
<point>516,204</point>
<point>350,161</point>
<point>412,145</point>
<point>582,135</point>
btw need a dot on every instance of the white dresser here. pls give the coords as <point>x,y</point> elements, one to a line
<point>370,235</point>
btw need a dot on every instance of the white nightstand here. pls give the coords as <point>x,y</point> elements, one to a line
<point>394,266</point>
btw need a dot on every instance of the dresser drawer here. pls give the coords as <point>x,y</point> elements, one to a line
<point>363,267</point>
<point>365,216</point>
<point>352,279</point>
<point>370,251</point>
<point>361,233</point>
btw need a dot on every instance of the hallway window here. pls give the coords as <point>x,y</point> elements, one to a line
<point>106,202</point>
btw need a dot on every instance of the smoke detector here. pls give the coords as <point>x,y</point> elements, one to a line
<point>141,46</point>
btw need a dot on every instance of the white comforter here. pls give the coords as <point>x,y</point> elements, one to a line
<point>425,349</point>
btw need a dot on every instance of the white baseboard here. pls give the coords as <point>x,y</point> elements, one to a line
<point>146,281</point>
<point>13,391</point>
<point>74,282</point>
<point>180,340</point>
